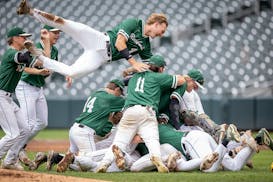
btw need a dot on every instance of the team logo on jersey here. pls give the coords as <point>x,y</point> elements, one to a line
<point>20,67</point>
<point>136,41</point>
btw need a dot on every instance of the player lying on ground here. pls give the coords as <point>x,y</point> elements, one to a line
<point>126,39</point>
<point>200,151</point>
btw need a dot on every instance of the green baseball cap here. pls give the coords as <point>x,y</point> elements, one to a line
<point>51,29</point>
<point>157,60</point>
<point>17,31</point>
<point>118,82</point>
<point>197,76</point>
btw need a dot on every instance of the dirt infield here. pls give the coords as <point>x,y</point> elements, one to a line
<point>27,176</point>
<point>23,176</point>
<point>46,145</point>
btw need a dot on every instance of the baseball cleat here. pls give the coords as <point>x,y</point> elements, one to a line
<point>119,155</point>
<point>247,139</point>
<point>171,162</point>
<point>64,163</point>
<point>221,132</point>
<point>232,133</point>
<point>40,158</point>
<point>159,165</point>
<point>50,161</point>
<point>15,166</point>
<point>263,138</point>
<point>102,168</point>
<point>208,161</point>
<point>25,160</point>
<point>249,164</point>
<point>23,8</point>
<point>29,45</point>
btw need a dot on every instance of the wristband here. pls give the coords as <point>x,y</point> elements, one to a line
<point>125,53</point>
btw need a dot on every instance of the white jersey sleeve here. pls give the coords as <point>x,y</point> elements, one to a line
<point>197,103</point>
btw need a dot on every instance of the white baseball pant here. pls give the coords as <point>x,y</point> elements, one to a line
<point>136,120</point>
<point>14,126</point>
<point>81,139</point>
<point>91,162</point>
<point>145,164</point>
<point>199,144</point>
<point>93,42</point>
<point>33,106</point>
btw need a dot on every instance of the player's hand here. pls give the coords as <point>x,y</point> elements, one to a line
<point>139,66</point>
<point>187,78</point>
<point>68,81</point>
<point>128,71</point>
<point>137,139</point>
<point>44,72</point>
<point>44,34</point>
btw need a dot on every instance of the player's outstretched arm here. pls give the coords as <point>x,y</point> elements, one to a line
<point>123,50</point>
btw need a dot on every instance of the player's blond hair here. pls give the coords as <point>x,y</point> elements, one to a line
<point>157,17</point>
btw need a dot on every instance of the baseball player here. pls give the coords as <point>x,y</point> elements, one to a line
<point>143,94</point>
<point>11,118</point>
<point>183,103</point>
<point>82,162</point>
<point>199,150</point>
<point>249,147</point>
<point>128,38</point>
<point>94,120</point>
<point>29,90</point>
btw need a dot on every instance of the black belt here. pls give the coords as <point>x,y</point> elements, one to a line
<point>186,133</point>
<point>108,47</point>
<point>33,85</point>
<point>5,93</point>
<point>81,126</point>
<point>8,94</point>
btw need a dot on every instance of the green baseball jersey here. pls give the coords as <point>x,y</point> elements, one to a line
<point>166,96</point>
<point>10,71</point>
<point>168,134</point>
<point>142,149</point>
<point>97,109</point>
<point>179,92</point>
<point>39,80</point>
<point>145,88</point>
<point>138,43</point>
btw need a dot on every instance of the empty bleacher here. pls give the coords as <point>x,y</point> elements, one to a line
<point>229,40</point>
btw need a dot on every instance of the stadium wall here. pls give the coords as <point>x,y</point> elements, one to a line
<point>244,112</point>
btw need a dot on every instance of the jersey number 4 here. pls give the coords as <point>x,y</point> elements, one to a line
<point>140,85</point>
<point>89,104</point>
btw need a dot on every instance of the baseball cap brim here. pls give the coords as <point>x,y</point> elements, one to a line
<point>55,30</point>
<point>199,85</point>
<point>25,35</point>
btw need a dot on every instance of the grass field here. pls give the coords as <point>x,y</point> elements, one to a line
<point>260,173</point>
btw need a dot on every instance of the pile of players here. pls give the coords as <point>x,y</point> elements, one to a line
<point>158,124</point>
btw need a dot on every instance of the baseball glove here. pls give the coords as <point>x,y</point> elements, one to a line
<point>190,118</point>
<point>115,117</point>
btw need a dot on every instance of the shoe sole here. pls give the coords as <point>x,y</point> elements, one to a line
<point>64,163</point>
<point>235,134</point>
<point>23,8</point>
<point>209,161</point>
<point>120,161</point>
<point>48,163</point>
<point>171,162</point>
<point>266,138</point>
<point>159,165</point>
<point>101,169</point>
